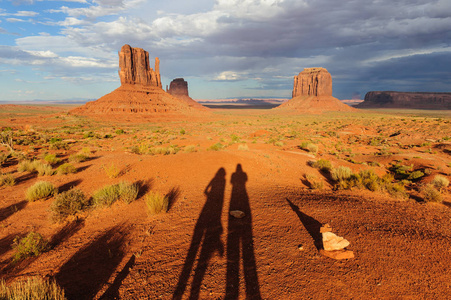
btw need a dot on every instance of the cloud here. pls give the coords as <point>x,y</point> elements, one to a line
<point>23,13</point>
<point>14,20</point>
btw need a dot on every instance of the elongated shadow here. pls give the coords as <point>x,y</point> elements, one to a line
<point>84,274</point>
<point>6,242</point>
<point>67,186</point>
<point>113,291</point>
<point>66,232</point>
<point>206,237</point>
<point>312,225</point>
<point>10,210</point>
<point>240,242</point>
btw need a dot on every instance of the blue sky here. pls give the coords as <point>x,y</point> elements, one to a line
<point>57,50</point>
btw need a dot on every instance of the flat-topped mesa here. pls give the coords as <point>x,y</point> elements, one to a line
<point>135,69</point>
<point>313,82</point>
<point>178,87</point>
<point>415,100</point>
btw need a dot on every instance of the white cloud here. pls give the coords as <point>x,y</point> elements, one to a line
<point>230,76</point>
<point>23,13</point>
<point>14,20</point>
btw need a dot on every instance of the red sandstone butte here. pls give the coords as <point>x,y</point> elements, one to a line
<point>140,92</point>
<point>179,88</point>
<point>312,93</point>
<point>415,100</point>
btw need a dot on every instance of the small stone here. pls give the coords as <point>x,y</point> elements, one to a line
<point>300,247</point>
<point>331,241</point>
<point>325,228</point>
<point>237,214</point>
<point>337,254</point>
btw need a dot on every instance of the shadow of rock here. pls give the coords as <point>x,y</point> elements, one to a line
<point>84,274</point>
<point>8,211</point>
<point>312,225</point>
<point>66,232</point>
<point>67,186</point>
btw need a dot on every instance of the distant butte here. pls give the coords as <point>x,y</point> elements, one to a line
<point>140,92</point>
<point>312,93</point>
<point>179,89</point>
<point>412,100</point>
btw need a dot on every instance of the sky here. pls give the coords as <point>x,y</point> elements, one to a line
<point>63,50</point>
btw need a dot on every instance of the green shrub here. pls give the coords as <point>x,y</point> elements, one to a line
<point>310,147</point>
<point>415,175</point>
<point>120,131</point>
<point>7,180</point>
<point>68,203</point>
<point>34,288</point>
<point>156,203</point>
<point>128,192</point>
<point>314,182</point>
<point>216,147</point>
<point>430,194</point>
<point>341,173</point>
<point>369,180</point>
<point>111,170</point>
<point>321,164</point>
<point>52,159</point>
<point>25,166</point>
<point>40,190</point>
<point>106,196</point>
<point>78,157</point>
<point>32,245</point>
<point>66,168</point>
<point>190,148</point>
<point>59,145</point>
<point>243,147</point>
<point>43,169</point>
<point>440,182</point>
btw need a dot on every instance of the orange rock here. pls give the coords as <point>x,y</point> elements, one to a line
<point>325,228</point>
<point>337,254</point>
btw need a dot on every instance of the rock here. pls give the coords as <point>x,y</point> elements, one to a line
<point>338,254</point>
<point>178,87</point>
<point>312,93</point>
<point>313,82</point>
<point>135,69</point>
<point>237,214</point>
<point>418,100</point>
<point>331,241</point>
<point>325,228</point>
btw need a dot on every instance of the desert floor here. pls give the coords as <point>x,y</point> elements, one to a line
<point>250,160</point>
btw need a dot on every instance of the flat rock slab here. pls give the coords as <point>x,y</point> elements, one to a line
<point>237,214</point>
<point>337,254</point>
<point>331,241</point>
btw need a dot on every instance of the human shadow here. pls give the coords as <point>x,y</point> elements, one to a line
<point>206,237</point>
<point>312,225</point>
<point>113,291</point>
<point>10,210</point>
<point>84,274</point>
<point>240,243</point>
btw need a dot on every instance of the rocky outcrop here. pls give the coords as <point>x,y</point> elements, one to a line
<point>312,93</point>
<point>135,68</point>
<point>178,87</point>
<point>412,100</point>
<point>312,82</point>
<point>140,95</point>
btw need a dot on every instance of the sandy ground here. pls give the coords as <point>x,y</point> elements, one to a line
<point>197,250</point>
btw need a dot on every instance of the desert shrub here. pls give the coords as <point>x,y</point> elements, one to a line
<point>278,144</point>
<point>128,192</point>
<point>190,148</point>
<point>120,131</point>
<point>3,158</point>
<point>310,147</point>
<point>106,196</point>
<point>440,182</point>
<point>415,175</point>
<point>7,180</point>
<point>431,194</point>
<point>43,169</point>
<point>52,159</point>
<point>369,180</point>
<point>243,147</point>
<point>25,166</point>
<point>396,190</point>
<point>34,288</point>
<point>66,168</point>
<point>216,147</point>
<point>314,182</point>
<point>59,145</point>
<point>40,190</point>
<point>32,245</point>
<point>68,203</point>
<point>78,157</point>
<point>341,173</point>
<point>156,203</point>
<point>401,171</point>
<point>111,170</point>
<point>321,164</point>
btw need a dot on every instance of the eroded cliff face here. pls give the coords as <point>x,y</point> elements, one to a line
<point>313,82</point>
<point>415,100</point>
<point>135,68</point>
<point>178,87</point>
